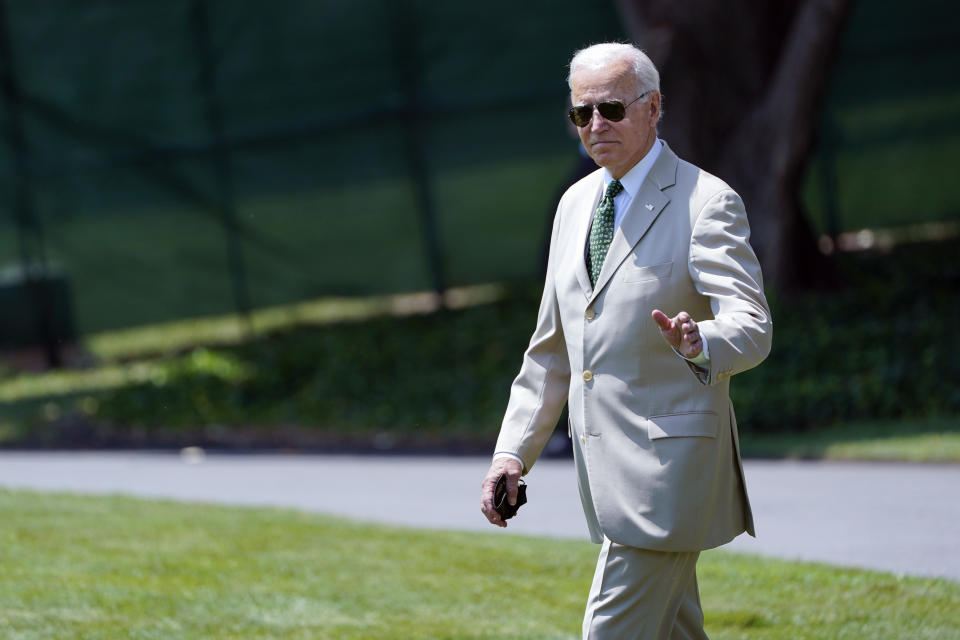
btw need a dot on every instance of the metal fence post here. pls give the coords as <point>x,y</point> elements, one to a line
<point>409,69</point>
<point>29,227</point>
<point>220,159</point>
<point>828,175</point>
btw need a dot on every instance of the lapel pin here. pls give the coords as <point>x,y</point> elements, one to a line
<point>649,206</point>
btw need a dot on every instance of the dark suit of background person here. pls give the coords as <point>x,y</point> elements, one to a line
<point>654,435</point>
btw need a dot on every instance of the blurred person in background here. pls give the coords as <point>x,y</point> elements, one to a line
<point>653,299</point>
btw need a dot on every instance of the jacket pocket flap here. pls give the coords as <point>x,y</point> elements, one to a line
<point>692,424</point>
<point>635,273</point>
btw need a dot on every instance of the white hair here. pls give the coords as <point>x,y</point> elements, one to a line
<point>604,54</point>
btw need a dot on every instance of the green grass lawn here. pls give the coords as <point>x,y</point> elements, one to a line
<point>111,567</point>
<point>930,440</point>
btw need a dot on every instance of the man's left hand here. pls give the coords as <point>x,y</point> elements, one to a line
<point>680,332</point>
<point>501,466</point>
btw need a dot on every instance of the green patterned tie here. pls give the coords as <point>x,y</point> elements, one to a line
<point>601,234</point>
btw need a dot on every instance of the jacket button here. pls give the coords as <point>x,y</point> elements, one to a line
<point>590,314</point>
<point>587,375</point>
<point>583,440</point>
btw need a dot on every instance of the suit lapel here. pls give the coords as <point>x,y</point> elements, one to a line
<point>644,210</point>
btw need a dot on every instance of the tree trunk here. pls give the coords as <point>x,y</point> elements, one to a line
<point>743,82</point>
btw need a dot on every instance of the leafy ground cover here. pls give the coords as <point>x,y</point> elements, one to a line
<point>107,567</point>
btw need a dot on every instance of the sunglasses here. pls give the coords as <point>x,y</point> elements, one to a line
<point>612,110</point>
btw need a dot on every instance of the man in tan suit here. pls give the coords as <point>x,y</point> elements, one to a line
<point>653,298</point>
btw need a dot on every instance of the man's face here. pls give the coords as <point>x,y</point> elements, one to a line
<point>616,146</point>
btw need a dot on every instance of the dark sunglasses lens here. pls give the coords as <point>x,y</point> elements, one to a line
<point>612,110</point>
<point>581,115</point>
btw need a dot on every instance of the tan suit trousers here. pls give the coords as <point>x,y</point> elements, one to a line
<point>639,594</point>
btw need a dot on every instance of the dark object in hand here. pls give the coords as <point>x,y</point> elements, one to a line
<point>500,502</point>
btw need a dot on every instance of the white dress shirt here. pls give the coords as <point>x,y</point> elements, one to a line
<point>631,181</point>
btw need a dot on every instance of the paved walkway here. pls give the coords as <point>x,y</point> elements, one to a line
<point>899,518</point>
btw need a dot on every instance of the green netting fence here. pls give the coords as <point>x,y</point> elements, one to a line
<point>171,159</point>
<point>162,159</point>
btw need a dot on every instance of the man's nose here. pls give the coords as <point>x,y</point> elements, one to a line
<point>597,121</point>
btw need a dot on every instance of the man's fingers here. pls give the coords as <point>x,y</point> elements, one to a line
<point>662,320</point>
<point>681,332</point>
<point>692,343</point>
<point>486,506</point>
<point>486,497</point>
<point>501,466</point>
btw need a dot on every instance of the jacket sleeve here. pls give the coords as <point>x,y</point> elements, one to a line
<point>725,269</point>
<point>539,392</point>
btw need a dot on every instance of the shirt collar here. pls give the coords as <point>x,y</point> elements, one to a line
<point>633,179</point>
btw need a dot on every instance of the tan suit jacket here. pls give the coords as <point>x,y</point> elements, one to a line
<point>654,438</point>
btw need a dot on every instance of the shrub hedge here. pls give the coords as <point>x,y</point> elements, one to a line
<point>883,345</point>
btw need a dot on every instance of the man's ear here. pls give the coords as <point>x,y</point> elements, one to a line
<point>654,105</point>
